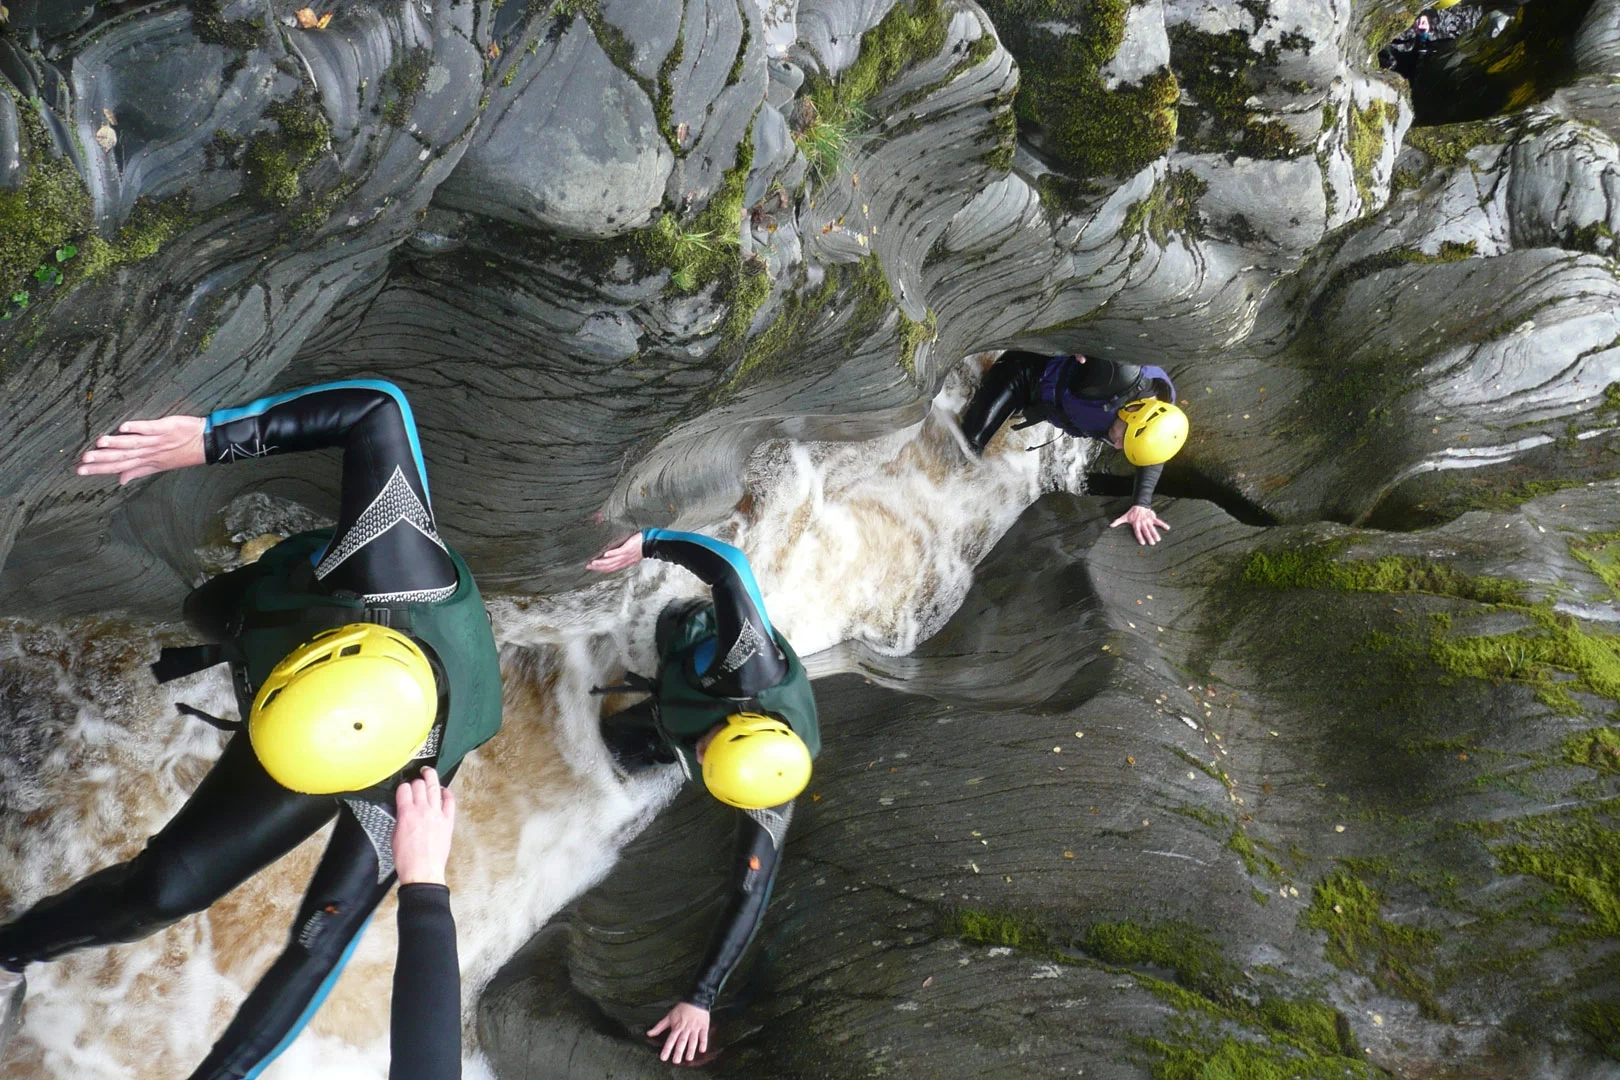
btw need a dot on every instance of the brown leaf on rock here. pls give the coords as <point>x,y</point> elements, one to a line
<point>308,20</point>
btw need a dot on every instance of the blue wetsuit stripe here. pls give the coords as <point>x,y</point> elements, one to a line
<point>315,1003</point>
<point>732,555</point>
<point>255,408</point>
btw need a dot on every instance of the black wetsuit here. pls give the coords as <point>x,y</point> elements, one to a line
<point>386,547</point>
<point>426,1021</point>
<point>741,660</point>
<point>1077,397</point>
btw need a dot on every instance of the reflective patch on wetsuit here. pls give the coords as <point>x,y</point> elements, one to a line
<point>774,820</point>
<point>378,824</point>
<point>395,503</point>
<point>745,648</point>
<point>310,932</point>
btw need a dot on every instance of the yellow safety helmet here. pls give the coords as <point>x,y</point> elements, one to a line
<point>1443,4</point>
<point>755,761</point>
<point>344,710</point>
<point>1154,431</point>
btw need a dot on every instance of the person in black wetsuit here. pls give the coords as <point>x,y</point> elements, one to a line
<point>384,566</point>
<point>723,670</point>
<point>425,1028</point>
<point>1087,398</point>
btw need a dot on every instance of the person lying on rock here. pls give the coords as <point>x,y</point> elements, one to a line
<point>1129,407</point>
<point>733,705</point>
<point>359,655</point>
<point>425,1026</point>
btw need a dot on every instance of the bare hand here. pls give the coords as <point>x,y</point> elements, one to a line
<point>144,447</point>
<point>1144,523</point>
<point>626,552</point>
<point>688,1028</point>
<point>427,814</point>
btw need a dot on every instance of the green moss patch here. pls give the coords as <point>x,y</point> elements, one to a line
<point>1578,855</point>
<point>1063,102</point>
<point>833,110</point>
<point>1600,552</point>
<point>1317,568</point>
<point>402,82</point>
<point>1597,749</point>
<point>151,225</point>
<point>1171,208</point>
<point>1221,73</point>
<point>1556,657</point>
<point>1365,145</point>
<point>1176,946</point>
<point>274,161</point>
<point>1448,144</point>
<point>1600,1021</point>
<point>208,25</point>
<point>1227,1058</point>
<point>50,207</point>
<point>1360,939</point>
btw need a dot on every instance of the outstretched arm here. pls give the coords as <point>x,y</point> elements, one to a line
<point>386,544</point>
<point>745,658</point>
<point>759,846</point>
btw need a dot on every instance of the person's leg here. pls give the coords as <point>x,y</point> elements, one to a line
<point>236,822</point>
<point>1012,383</point>
<point>633,738</point>
<point>213,608</point>
<point>347,887</point>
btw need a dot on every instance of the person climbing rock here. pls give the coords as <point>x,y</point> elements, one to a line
<point>425,1027</point>
<point>1129,407</point>
<point>359,654</point>
<point>733,705</point>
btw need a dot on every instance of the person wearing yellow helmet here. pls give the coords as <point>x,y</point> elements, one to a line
<point>732,704</point>
<point>360,655</point>
<point>1129,407</point>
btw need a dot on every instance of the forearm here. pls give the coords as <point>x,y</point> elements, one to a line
<point>1147,478</point>
<point>426,1021</point>
<point>758,857</point>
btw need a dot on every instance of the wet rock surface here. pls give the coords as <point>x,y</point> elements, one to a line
<point>610,249</point>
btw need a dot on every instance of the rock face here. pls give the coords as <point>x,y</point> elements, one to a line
<point>612,249</point>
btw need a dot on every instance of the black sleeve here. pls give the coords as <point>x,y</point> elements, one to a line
<point>746,658</point>
<point>387,544</point>
<point>426,1021</point>
<point>1147,478</point>
<point>760,837</point>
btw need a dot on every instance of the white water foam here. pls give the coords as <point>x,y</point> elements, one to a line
<point>870,541</point>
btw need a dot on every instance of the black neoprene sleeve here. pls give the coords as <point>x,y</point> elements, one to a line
<point>758,857</point>
<point>387,542</point>
<point>746,658</point>
<point>426,1019</point>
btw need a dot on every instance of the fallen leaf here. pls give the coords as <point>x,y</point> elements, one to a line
<point>815,798</point>
<point>107,114</point>
<point>682,132</point>
<point>308,20</point>
<point>1338,828</point>
<point>1130,760</point>
<point>1068,854</point>
<point>927,982</point>
<point>493,52</point>
<point>106,138</point>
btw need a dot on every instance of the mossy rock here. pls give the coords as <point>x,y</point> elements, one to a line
<point>1064,105</point>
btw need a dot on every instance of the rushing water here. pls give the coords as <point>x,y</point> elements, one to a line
<point>872,542</point>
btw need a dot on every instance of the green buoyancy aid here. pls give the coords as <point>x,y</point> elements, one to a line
<point>686,710</point>
<point>281,612</point>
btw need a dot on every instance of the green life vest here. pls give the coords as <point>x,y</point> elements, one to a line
<point>686,710</point>
<point>280,611</point>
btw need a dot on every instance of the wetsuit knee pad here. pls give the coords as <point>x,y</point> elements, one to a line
<point>163,889</point>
